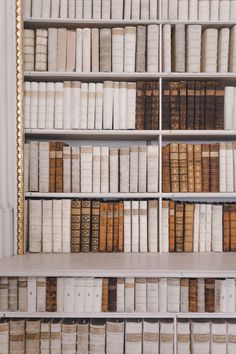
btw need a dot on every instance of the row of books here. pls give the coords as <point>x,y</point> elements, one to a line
<point>92,9</point>
<point>98,336</point>
<point>58,167</point>
<point>194,227</point>
<point>173,295</point>
<point>92,226</point>
<point>76,105</point>
<point>127,49</point>
<point>127,105</point>
<point>199,167</point>
<point>201,10</point>
<point>190,48</point>
<point>196,105</point>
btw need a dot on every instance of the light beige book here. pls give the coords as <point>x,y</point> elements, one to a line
<point>66,169</point>
<point>59,108</point>
<point>52,49</point>
<point>115,336</point>
<point>75,104</point>
<point>83,337</point>
<point>17,336</point>
<point>91,105</point>
<point>32,294</point>
<point>193,43</point>
<point>203,10</point>
<point>142,169</point>
<point>4,336</point>
<point>105,49</point>
<point>22,294</point>
<point>79,9</point>
<point>68,336</point>
<point>27,100</point>
<point>124,170</point>
<point>27,9</point>
<point>232,53</point>
<point>133,169</point>
<point>55,8</point>
<point>41,294</point>
<point>84,105</point>
<point>224,10</point>
<point>214,10</point>
<point>46,8</point>
<point>34,99</point>
<point>96,169</point>
<point>173,294</point>
<point>99,106</point>
<point>34,167</point>
<point>150,336</point>
<point>183,336</point>
<point>135,223</point>
<point>129,49</point>
<point>193,10</point>
<point>152,168</point>
<point>66,226</point>
<point>70,50</point>
<point>55,335</point>
<point>129,294</point>
<point>67,91</point>
<point>36,7</point>
<point>41,105</point>
<point>114,170</point>
<point>86,50</point>
<point>44,166</point>
<point>57,226</point>
<point>104,169</point>
<point>120,295</point>
<point>127,226</point>
<point>117,9</point>
<point>26,166</point>
<point>79,51</point>
<point>141,48</point>
<point>166,54</point>
<point>140,295</point>
<point>50,105</point>
<point>97,9</point>
<point>61,49</point>
<point>12,293</point>
<point>232,14</point>
<point>118,50</point>
<point>86,155</point>
<point>75,167</point>
<point>144,10</point>
<point>87,9</point>
<point>29,49</point>
<point>143,226</point>
<point>209,50</point>
<point>152,226</point>
<point>4,283</point>
<point>223,50</point>
<point>152,48</point>
<point>133,336</point>
<point>179,48</point>
<point>107,105</point>
<point>106,9</point>
<point>183,6</point>
<point>47,231</point>
<point>127,10</point>
<point>45,336</point>
<point>152,294</point>
<point>71,9</point>
<point>35,226</point>
<point>173,10</point>
<point>123,105</point>
<point>166,337</point>
<point>64,9</point>
<point>95,49</point>
<point>41,50</point>
<point>153,10</point>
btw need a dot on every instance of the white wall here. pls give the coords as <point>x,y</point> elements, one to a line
<point>7,128</point>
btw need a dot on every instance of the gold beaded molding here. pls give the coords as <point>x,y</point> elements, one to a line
<point>20,127</point>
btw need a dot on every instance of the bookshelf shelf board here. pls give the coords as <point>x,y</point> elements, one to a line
<point>188,196</point>
<point>97,76</point>
<point>76,23</point>
<point>92,134</point>
<point>123,315</point>
<point>188,265</point>
<point>92,195</point>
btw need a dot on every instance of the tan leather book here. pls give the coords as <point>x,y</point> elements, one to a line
<point>174,167</point>
<point>104,294</point>
<point>116,227</point>
<point>209,295</point>
<point>233,227</point>
<point>197,155</point>
<point>121,227</point>
<point>75,225</point>
<point>110,216</point>
<point>171,226</point>
<point>59,166</point>
<point>182,105</point>
<point>205,168</point>
<point>188,227</point>
<point>193,295</point>
<point>51,294</point>
<point>183,168</point>
<point>166,168</point>
<point>112,286</point>
<point>85,225</point>
<point>103,227</point>
<point>190,168</point>
<point>52,166</point>
<point>155,105</point>
<point>95,226</point>
<point>226,228</point>
<point>214,167</point>
<point>179,227</point>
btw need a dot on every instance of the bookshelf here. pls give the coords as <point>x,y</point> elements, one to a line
<point>184,265</point>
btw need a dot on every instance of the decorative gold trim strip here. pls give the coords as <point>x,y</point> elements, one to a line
<point>20,127</point>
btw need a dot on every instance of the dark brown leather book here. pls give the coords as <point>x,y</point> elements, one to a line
<point>95,226</point>
<point>110,227</point>
<point>112,285</point>
<point>52,166</point>
<point>103,227</point>
<point>116,227</point>
<point>210,105</point>
<point>182,105</point>
<point>171,226</point>
<point>140,105</point>
<point>121,227</point>
<point>104,294</point>
<point>174,105</point>
<point>188,227</point>
<point>193,295</point>
<point>85,225</point>
<point>75,225</point>
<point>155,105</point>
<point>148,106</point>
<point>191,183</point>
<point>226,228</point>
<point>209,295</point>
<point>183,168</point>
<point>219,105</point>
<point>165,105</point>
<point>190,105</point>
<point>197,155</point>
<point>205,168</point>
<point>179,227</point>
<point>197,105</point>
<point>214,167</point>
<point>51,294</point>
<point>174,167</point>
<point>202,105</point>
<point>166,168</point>
<point>233,228</point>
<point>59,166</point>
